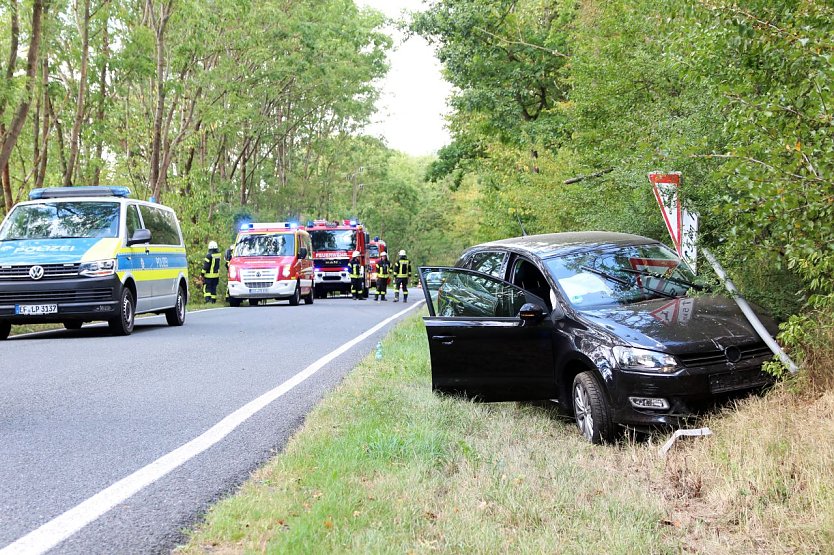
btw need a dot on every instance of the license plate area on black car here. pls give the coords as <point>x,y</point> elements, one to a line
<point>734,381</point>
<point>35,309</point>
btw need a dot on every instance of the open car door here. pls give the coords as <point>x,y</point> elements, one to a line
<point>488,339</point>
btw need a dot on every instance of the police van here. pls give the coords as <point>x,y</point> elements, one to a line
<point>77,254</point>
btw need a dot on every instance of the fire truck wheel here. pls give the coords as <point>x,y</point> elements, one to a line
<point>296,296</point>
<point>319,292</point>
<point>309,298</point>
<point>234,302</point>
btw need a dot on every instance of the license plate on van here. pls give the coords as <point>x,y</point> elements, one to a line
<point>259,290</point>
<point>35,309</point>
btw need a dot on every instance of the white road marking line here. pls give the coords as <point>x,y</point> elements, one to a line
<point>65,525</point>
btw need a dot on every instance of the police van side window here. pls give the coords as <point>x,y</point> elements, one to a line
<point>133,222</point>
<point>161,224</point>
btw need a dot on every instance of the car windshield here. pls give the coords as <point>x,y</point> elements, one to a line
<point>265,244</point>
<point>333,240</point>
<point>62,220</point>
<point>373,251</point>
<point>621,275</point>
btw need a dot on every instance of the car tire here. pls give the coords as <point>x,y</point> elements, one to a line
<point>73,324</point>
<point>124,322</point>
<point>5,330</point>
<point>175,316</point>
<point>254,302</point>
<point>591,410</point>
<point>308,299</point>
<point>234,302</point>
<point>296,295</point>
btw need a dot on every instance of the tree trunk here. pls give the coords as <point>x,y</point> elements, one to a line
<point>19,118</point>
<point>105,55</point>
<point>82,91</point>
<point>159,24</point>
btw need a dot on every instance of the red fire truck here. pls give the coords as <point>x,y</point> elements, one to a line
<point>270,261</point>
<point>333,245</point>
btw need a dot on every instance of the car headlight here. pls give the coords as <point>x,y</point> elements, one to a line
<point>631,358</point>
<point>287,270</point>
<point>232,272</point>
<point>98,268</point>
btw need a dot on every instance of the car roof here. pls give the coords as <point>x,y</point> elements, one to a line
<point>551,244</point>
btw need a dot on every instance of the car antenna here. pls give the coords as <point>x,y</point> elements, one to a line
<point>521,225</point>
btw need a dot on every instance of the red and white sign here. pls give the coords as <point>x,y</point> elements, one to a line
<point>676,311</point>
<point>682,225</point>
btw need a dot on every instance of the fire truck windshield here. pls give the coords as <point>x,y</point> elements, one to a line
<point>333,240</point>
<point>373,251</point>
<point>265,244</point>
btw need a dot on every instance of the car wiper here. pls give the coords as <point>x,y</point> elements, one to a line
<point>625,282</point>
<point>679,281</point>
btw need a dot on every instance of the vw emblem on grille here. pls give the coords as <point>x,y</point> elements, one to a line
<point>733,354</point>
<point>257,274</point>
<point>36,272</point>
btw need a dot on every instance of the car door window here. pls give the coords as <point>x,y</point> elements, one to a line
<point>458,292</point>
<point>488,262</point>
<point>132,220</point>
<point>161,224</point>
<point>526,275</point>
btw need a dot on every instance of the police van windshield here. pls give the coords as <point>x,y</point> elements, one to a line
<point>265,244</point>
<point>333,240</point>
<point>62,220</point>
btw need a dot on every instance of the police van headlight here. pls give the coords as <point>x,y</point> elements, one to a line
<point>98,268</point>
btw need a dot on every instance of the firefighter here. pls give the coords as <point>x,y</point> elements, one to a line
<point>357,283</point>
<point>383,270</point>
<point>401,271</point>
<point>211,273</point>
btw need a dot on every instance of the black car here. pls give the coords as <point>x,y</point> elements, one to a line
<point>606,324</point>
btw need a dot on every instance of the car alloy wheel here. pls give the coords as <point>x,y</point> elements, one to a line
<point>591,410</point>
<point>175,316</point>
<point>296,296</point>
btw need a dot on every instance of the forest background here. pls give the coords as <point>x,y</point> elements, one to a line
<point>231,110</point>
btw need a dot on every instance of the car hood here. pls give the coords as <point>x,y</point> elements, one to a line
<point>45,251</point>
<point>687,324</point>
<point>261,262</point>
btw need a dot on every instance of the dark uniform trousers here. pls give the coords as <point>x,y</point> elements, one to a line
<point>402,271</point>
<point>211,276</point>
<point>382,271</point>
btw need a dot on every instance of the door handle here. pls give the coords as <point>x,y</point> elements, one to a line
<point>444,339</point>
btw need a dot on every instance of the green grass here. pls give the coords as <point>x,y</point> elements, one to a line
<point>385,466</point>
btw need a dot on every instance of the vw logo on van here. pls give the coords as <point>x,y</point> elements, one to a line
<point>36,272</point>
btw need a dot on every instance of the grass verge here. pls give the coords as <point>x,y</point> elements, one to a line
<point>385,466</point>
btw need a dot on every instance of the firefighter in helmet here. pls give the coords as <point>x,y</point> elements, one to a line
<point>402,272</point>
<point>357,282</point>
<point>383,270</point>
<point>211,273</point>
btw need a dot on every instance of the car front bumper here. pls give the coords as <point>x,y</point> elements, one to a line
<point>281,289</point>
<point>80,298</point>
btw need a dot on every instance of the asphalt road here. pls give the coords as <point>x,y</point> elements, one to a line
<point>80,411</point>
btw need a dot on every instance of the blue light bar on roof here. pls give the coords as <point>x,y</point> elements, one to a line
<point>67,192</point>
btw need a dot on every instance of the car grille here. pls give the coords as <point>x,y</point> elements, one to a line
<point>331,262</point>
<point>259,275</point>
<point>328,277</point>
<point>50,271</point>
<point>57,296</point>
<point>719,358</point>
<point>258,284</point>
<point>735,381</point>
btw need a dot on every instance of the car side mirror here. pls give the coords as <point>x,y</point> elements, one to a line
<point>531,314</point>
<point>140,236</point>
<point>228,255</point>
<point>302,253</point>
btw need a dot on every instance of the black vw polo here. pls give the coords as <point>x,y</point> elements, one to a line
<point>603,323</point>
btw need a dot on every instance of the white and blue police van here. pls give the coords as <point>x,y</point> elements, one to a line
<point>72,255</point>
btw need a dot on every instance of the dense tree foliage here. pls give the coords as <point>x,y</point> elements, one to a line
<point>734,94</point>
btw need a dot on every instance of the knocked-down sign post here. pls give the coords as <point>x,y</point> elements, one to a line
<point>683,227</point>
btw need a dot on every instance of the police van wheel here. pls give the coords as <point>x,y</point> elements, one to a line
<point>309,298</point>
<point>296,296</point>
<point>73,324</point>
<point>175,316</point>
<point>5,330</point>
<point>123,324</point>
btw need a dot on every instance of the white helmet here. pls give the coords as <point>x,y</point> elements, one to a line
<point>402,253</point>
<point>355,253</point>
<point>212,245</point>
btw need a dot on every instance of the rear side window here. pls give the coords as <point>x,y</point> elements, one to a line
<point>487,262</point>
<point>162,225</point>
